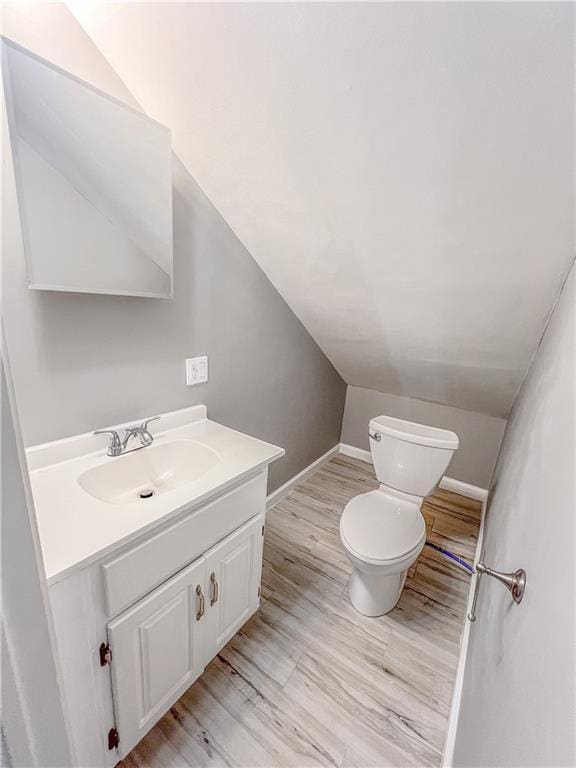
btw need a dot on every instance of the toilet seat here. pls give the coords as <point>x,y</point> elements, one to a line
<point>382,529</point>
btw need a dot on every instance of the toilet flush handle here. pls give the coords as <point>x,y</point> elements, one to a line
<point>375,436</point>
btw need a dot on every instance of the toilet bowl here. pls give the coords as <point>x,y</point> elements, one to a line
<point>383,531</point>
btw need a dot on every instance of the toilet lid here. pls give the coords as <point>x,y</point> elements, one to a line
<point>380,527</point>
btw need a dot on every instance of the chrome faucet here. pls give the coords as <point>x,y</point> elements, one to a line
<point>119,445</point>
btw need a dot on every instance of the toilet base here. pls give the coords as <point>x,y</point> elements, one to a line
<point>374,594</point>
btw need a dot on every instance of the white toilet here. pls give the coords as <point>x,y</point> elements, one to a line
<point>383,531</point>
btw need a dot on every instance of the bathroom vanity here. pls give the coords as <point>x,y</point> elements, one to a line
<point>146,591</point>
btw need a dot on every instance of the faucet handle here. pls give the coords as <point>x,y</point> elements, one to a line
<point>115,443</point>
<point>145,434</point>
<point>144,425</point>
<point>113,432</point>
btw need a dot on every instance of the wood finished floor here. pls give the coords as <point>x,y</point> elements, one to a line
<point>308,681</point>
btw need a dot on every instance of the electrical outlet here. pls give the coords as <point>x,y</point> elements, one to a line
<point>196,370</point>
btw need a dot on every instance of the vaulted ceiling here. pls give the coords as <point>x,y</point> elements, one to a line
<point>403,172</point>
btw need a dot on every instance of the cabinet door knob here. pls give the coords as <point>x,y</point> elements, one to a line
<point>214,586</point>
<point>200,611</point>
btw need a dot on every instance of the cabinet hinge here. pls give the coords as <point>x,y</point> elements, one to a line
<point>105,654</point>
<point>259,591</point>
<point>113,739</point>
<point>262,530</point>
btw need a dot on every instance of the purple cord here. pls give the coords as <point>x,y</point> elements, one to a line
<point>452,556</point>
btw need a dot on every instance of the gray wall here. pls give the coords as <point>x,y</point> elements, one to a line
<point>480,435</point>
<point>82,361</point>
<point>520,678</point>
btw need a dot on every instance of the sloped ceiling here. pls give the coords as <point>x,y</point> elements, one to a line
<point>403,172</point>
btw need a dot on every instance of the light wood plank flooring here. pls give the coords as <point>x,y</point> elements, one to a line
<point>309,681</point>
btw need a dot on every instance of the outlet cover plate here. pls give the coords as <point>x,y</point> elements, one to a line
<point>196,370</point>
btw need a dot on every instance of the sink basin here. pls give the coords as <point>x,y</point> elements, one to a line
<point>150,471</point>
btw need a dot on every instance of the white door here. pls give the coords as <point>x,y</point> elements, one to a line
<point>157,652</point>
<point>233,570</point>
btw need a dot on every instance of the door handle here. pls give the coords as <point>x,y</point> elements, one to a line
<point>200,611</point>
<point>214,586</point>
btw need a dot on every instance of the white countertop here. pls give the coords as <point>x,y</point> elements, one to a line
<point>76,528</point>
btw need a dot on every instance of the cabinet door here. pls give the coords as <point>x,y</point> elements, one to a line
<point>233,570</point>
<point>157,652</point>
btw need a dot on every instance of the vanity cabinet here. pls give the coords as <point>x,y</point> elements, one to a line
<point>162,644</point>
<point>137,627</point>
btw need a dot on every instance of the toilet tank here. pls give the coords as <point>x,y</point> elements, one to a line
<point>410,457</point>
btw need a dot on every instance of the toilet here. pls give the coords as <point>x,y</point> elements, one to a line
<point>383,531</point>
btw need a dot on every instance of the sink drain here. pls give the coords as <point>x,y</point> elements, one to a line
<point>147,493</point>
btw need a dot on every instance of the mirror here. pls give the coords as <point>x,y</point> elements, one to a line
<point>94,183</point>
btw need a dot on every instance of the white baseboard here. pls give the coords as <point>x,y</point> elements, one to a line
<point>447,483</point>
<point>464,489</point>
<point>280,493</point>
<point>356,453</point>
<point>451,730</point>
